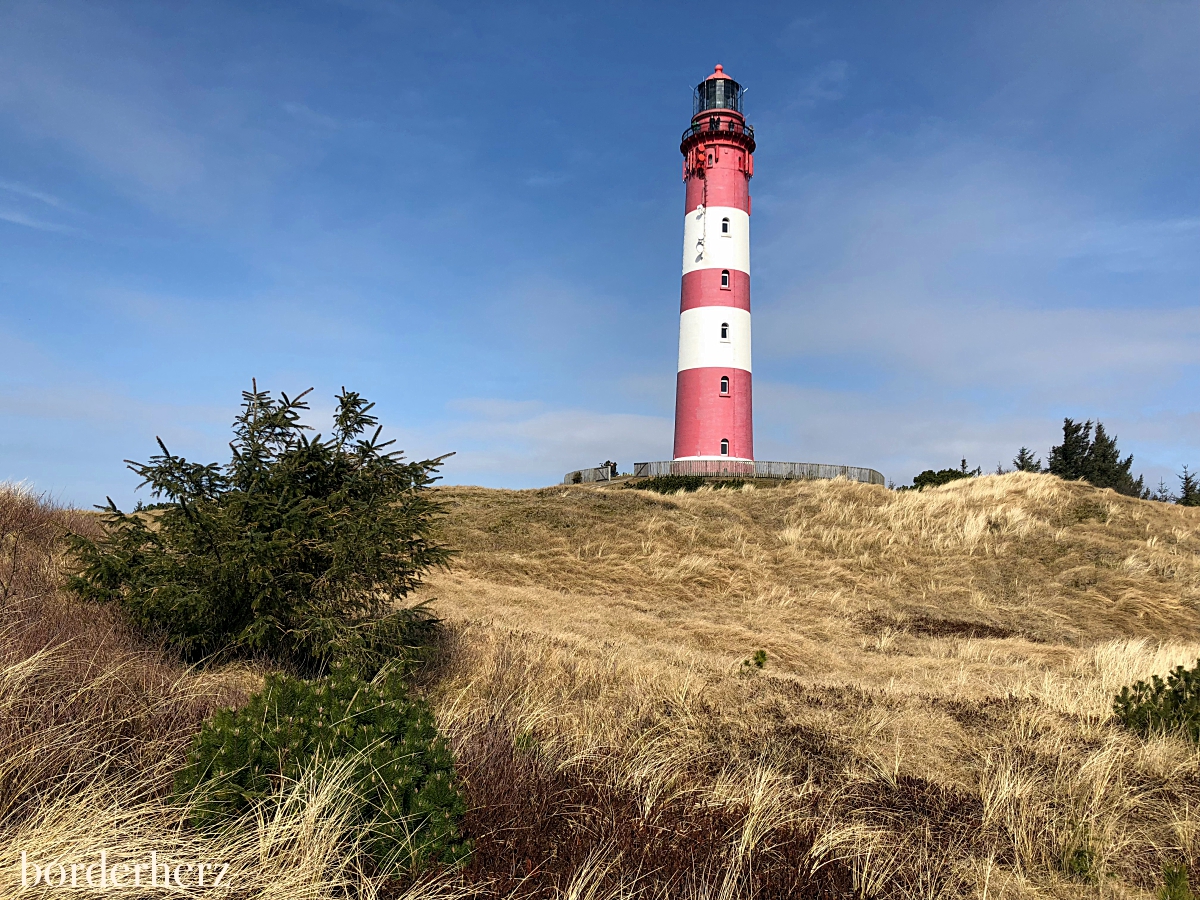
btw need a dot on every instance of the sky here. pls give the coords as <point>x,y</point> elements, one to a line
<point>970,221</point>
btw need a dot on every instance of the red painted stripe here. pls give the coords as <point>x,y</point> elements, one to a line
<point>703,288</point>
<point>703,417</point>
<point>726,187</point>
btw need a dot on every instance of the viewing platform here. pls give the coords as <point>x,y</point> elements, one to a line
<point>729,468</point>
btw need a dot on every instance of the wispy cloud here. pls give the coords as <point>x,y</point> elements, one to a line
<point>532,443</point>
<point>13,217</point>
<point>308,116</point>
<point>825,84</point>
<point>13,187</point>
<point>930,305</point>
<point>547,179</point>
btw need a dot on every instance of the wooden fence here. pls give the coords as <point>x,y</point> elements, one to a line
<point>757,469</point>
<point>589,476</point>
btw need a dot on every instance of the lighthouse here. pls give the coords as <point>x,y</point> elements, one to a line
<point>714,418</point>
<point>714,423</point>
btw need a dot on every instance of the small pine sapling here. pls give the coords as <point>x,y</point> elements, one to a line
<point>1025,461</point>
<point>1168,705</point>
<point>1189,488</point>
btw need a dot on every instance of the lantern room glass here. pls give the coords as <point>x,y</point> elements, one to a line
<point>717,93</point>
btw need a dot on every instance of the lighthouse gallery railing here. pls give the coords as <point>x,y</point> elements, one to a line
<point>717,125</point>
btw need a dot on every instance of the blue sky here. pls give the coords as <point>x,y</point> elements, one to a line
<point>970,220</point>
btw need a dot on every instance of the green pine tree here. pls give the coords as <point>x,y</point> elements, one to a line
<point>1025,461</point>
<point>296,549</point>
<point>1161,494</point>
<point>1189,488</point>
<point>1069,459</point>
<point>1094,459</point>
<point>1106,469</point>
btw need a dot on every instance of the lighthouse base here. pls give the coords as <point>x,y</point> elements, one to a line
<point>744,468</point>
<point>712,465</point>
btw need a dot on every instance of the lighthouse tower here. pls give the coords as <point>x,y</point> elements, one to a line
<point>713,417</point>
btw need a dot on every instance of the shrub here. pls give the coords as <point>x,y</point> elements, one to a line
<point>1163,705</point>
<point>1175,883</point>
<point>1189,488</point>
<point>759,660</point>
<point>930,478</point>
<point>296,549</point>
<point>669,484</point>
<point>1025,461</point>
<point>407,796</point>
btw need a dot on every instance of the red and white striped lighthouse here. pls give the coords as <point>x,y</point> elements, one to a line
<point>713,415</point>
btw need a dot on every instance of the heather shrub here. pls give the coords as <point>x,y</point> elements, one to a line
<point>1170,705</point>
<point>406,795</point>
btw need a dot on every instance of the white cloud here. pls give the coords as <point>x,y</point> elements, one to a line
<point>959,271</point>
<point>14,217</point>
<point>528,443</point>
<point>308,116</point>
<point>13,187</point>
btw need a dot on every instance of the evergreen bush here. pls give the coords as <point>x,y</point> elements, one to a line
<point>1158,706</point>
<point>1176,885</point>
<point>406,797</point>
<point>296,549</point>
<point>1025,461</point>
<point>930,478</point>
<point>1189,488</point>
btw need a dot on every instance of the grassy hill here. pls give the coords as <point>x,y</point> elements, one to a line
<point>931,717</point>
<point>933,714</point>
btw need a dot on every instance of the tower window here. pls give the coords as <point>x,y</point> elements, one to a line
<point>724,446</point>
<point>724,331</point>
<point>725,384</point>
<point>725,227</point>
<point>724,279</point>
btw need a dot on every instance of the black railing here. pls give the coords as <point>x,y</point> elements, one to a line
<point>719,125</point>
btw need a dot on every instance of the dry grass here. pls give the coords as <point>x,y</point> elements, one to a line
<point>92,728</point>
<point>933,716</point>
<point>932,719</point>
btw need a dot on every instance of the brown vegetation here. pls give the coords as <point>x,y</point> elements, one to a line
<point>932,718</point>
<point>92,726</point>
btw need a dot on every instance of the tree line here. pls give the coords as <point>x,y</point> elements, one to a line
<point>1087,453</point>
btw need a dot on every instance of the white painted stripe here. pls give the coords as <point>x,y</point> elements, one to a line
<point>706,247</point>
<point>700,343</point>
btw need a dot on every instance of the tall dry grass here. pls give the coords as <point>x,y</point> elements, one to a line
<point>92,727</point>
<point>933,719</point>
